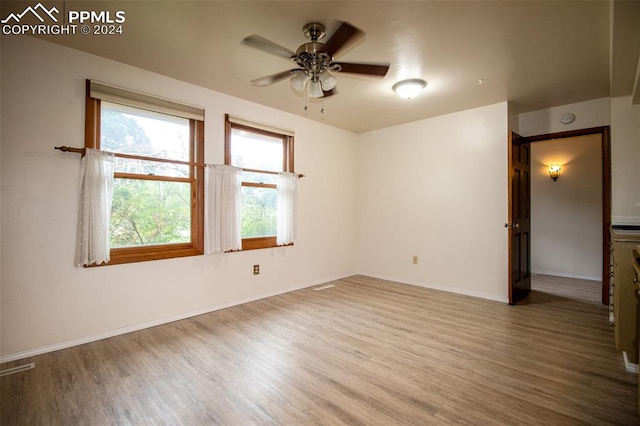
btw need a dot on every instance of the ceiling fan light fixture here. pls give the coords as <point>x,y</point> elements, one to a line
<point>328,81</point>
<point>315,90</point>
<point>299,81</point>
<point>410,88</point>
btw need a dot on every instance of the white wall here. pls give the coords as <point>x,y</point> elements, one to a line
<point>594,113</point>
<point>566,215</point>
<point>514,119</point>
<point>625,160</point>
<point>437,189</point>
<point>47,303</point>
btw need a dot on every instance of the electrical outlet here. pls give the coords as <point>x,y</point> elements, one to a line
<point>256,269</point>
<point>415,260</point>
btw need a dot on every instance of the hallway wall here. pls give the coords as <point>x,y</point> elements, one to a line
<point>566,215</point>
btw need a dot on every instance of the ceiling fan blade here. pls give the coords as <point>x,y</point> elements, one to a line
<point>367,69</point>
<point>261,43</point>
<point>274,78</point>
<point>345,36</point>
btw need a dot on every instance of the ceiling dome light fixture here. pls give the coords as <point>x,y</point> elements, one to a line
<point>409,88</point>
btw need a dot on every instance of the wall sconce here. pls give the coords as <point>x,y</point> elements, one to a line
<point>554,171</point>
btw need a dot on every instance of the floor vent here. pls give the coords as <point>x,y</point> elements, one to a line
<point>324,287</point>
<point>17,369</point>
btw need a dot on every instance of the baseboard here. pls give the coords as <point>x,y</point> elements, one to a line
<point>148,324</point>
<point>448,289</point>
<point>563,275</point>
<point>631,367</point>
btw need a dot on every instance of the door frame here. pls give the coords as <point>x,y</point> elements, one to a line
<point>605,136</point>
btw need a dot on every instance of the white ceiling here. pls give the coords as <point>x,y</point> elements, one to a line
<point>534,54</point>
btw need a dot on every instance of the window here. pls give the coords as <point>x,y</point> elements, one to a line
<point>262,152</point>
<point>157,209</point>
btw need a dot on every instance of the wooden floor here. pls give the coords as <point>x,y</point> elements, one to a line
<point>366,351</point>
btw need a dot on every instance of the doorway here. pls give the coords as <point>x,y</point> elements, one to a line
<point>605,180</point>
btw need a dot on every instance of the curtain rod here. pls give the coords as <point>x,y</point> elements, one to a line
<point>160,160</point>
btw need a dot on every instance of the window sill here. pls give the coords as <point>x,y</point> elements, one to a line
<point>143,254</point>
<point>261,243</point>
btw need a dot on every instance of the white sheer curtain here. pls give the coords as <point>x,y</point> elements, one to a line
<point>287,208</point>
<point>222,208</point>
<point>96,195</point>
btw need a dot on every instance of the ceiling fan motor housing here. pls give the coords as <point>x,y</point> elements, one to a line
<point>314,31</point>
<point>312,57</point>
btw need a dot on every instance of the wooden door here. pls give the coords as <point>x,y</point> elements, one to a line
<point>519,218</point>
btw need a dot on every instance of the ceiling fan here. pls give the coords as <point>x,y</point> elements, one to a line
<point>315,59</point>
